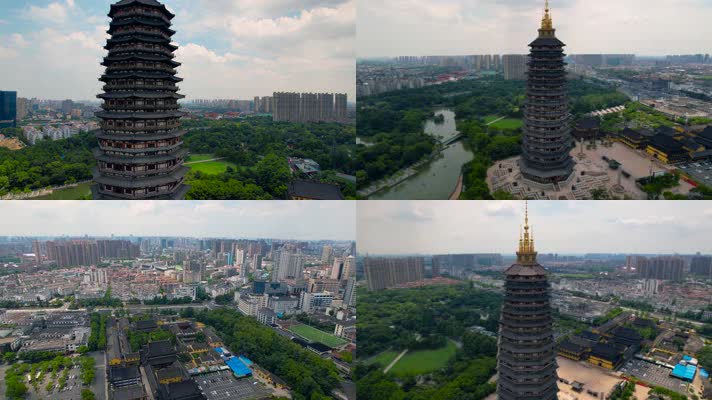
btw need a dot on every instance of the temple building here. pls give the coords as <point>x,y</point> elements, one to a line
<point>526,360</point>
<point>140,154</point>
<point>547,138</point>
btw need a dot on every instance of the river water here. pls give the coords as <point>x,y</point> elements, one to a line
<point>437,180</point>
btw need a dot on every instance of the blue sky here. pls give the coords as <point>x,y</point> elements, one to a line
<point>328,220</point>
<point>229,48</point>
<point>559,226</point>
<point>443,27</point>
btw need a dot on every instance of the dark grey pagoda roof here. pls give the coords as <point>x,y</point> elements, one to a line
<point>150,3</point>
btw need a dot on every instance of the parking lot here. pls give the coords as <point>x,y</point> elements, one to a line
<point>71,391</point>
<point>223,385</point>
<point>700,171</point>
<point>654,374</point>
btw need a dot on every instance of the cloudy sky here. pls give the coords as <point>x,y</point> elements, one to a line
<point>229,48</point>
<point>445,27</point>
<point>327,220</point>
<point>428,227</point>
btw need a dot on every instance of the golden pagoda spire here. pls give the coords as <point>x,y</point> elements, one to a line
<point>526,253</point>
<point>547,25</point>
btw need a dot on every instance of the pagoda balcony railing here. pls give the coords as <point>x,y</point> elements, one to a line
<point>545,92</point>
<point>547,164</point>
<point>564,130</point>
<point>140,196</point>
<point>140,29</point>
<point>145,150</point>
<point>547,123</point>
<point>535,101</point>
<point>526,291</point>
<point>547,69</point>
<point>532,283</point>
<point>535,141</point>
<point>133,108</point>
<point>131,67</point>
<point>137,173</point>
<point>139,129</point>
<point>136,12</point>
<point>112,87</point>
<point>118,51</point>
<point>531,112</point>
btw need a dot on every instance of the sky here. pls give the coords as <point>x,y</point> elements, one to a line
<point>230,49</point>
<point>297,220</point>
<point>564,227</point>
<point>460,27</point>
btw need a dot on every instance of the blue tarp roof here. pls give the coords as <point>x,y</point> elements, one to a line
<point>704,373</point>
<point>686,358</point>
<point>219,350</point>
<point>246,360</point>
<point>238,367</point>
<point>686,372</point>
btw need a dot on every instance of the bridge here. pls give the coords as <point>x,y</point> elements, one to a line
<point>452,140</point>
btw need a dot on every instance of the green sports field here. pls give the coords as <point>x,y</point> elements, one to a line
<point>197,162</point>
<point>315,335</point>
<point>508,124</point>
<point>424,361</point>
<point>491,118</point>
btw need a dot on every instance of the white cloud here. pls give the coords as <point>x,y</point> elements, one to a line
<point>18,40</point>
<point>53,13</point>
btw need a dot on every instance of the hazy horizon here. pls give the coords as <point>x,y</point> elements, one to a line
<point>452,27</point>
<point>288,220</point>
<point>622,227</point>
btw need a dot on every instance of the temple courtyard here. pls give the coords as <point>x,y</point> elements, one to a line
<point>593,172</point>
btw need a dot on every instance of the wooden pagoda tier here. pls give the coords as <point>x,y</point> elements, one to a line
<point>547,139</point>
<point>140,137</point>
<point>526,360</point>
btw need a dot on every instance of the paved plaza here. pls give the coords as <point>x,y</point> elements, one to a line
<point>222,385</point>
<point>592,172</point>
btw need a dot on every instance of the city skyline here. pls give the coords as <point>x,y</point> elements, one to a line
<point>321,220</point>
<point>631,227</point>
<point>228,49</point>
<point>457,27</point>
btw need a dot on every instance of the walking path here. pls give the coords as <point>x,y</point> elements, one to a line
<point>496,120</point>
<point>388,368</point>
<point>204,161</point>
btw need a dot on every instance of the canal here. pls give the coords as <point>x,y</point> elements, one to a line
<point>436,180</point>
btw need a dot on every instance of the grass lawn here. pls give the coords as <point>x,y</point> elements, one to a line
<point>315,335</point>
<point>73,193</point>
<point>424,361</point>
<point>490,118</point>
<point>212,167</point>
<point>508,123</point>
<point>382,359</point>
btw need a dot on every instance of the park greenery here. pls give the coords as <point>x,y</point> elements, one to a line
<point>308,375</point>
<point>97,337</point>
<point>52,367</point>
<point>426,321</point>
<point>47,163</point>
<point>256,150</point>
<point>390,125</point>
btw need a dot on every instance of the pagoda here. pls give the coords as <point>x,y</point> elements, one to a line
<point>140,154</point>
<point>526,360</point>
<point>547,139</point>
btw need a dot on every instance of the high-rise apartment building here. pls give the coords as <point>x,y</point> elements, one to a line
<point>383,273</point>
<point>309,107</point>
<point>667,268</point>
<point>515,67</point>
<point>701,266</point>
<point>8,109</point>
<point>73,253</point>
